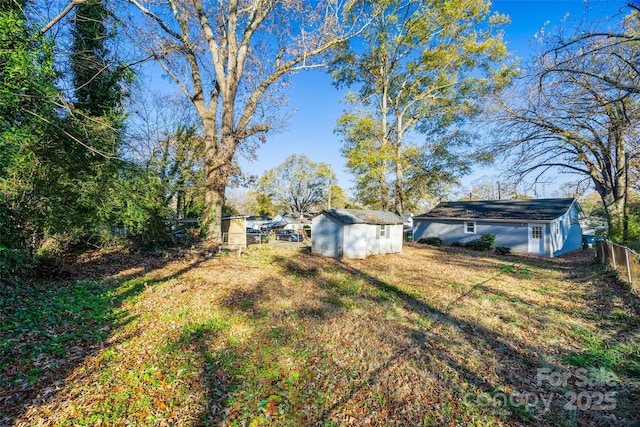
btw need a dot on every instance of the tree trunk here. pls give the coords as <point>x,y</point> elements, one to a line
<point>384,193</point>
<point>399,199</point>
<point>614,209</point>
<point>215,183</point>
<point>398,193</point>
<point>612,196</point>
<point>218,157</point>
<point>615,216</point>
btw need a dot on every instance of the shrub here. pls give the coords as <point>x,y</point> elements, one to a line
<point>433,241</point>
<point>14,262</point>
<point>503,250</point>
<point>484,243</point>
<point>16,259</point>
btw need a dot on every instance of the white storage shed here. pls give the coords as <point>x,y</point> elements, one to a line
<point>351,233</point>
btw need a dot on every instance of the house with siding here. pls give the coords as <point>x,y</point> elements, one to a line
<point>351,233</point>
<point>547,227</point>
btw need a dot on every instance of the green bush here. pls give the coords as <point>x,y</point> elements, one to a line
<point>433,241</point>
<point>15,258</point>
<point>503,250</point>
<point>484,243</point>
<point>15,262</point>
<point>135,208</point>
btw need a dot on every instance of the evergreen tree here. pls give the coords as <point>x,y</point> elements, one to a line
<point>96,78</point>
<point>26,109</point>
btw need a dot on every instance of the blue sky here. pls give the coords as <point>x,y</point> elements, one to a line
<point>316,103</point>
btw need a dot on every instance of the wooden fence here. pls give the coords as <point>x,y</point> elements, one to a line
<point>622,259</point>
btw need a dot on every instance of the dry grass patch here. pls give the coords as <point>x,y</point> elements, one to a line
<point>284,337</point>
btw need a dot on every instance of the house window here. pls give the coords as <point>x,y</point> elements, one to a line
<point>536,232</point>
<point>470,227</point>
<point>384,231</point>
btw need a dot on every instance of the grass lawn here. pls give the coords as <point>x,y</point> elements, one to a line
<point>283,337</point>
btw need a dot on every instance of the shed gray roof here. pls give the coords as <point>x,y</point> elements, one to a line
<point>522,210</point>
<point>363,216</point>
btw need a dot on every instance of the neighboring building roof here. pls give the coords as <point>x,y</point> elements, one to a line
<point>533,209</point>
<point>258,218</point>
<point>363,216</point>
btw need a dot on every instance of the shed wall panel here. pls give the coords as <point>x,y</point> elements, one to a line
<point>356,241</point>
<point>327,237</point>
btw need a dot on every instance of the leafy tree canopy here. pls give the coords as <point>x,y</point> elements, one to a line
<point>298,185</point>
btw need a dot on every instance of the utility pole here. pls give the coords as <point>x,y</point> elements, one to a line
<point>329,195</point>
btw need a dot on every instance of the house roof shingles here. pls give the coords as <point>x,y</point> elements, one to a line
<point>534,209</point>
<point>363,216</point>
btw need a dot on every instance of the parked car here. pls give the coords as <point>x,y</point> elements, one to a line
<point>290,235</point>
<point>255,236</point>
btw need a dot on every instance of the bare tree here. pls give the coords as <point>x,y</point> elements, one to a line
<point>226,58</point>
<point>576,189</point>
<point>493,188</point>
<point>566,117</point>
<point>603,43</point>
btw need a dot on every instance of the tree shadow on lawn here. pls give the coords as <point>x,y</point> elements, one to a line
<point>573,263</point>
<point>612,309</point>
<point>488,342</point>
<point>427,349</point>
<point>49,327</point>
<point>525,380</point>
<point>280,368</point>
<point>578,266</point>
<point>258,376</point>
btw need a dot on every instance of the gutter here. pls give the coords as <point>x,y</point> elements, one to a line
<point>518,221</point>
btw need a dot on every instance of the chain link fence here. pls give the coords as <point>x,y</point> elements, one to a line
<point>620,258</point>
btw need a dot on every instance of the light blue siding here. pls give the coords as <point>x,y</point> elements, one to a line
<point>511,235</point>
<point>561,235</point>
<point>327,237</point>
<point>568,235</point>
<point>355,240</point>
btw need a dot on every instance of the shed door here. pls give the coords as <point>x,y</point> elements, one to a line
<point>536,238</point>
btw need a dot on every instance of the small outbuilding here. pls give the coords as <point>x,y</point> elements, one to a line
<point>351,233</point>
<point>547,227</point>
<point>234,232</point>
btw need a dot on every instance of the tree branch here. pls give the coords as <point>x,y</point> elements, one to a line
<point>61,15</point>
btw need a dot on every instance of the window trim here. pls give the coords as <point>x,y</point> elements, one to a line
<point>537,232</point>
<point>466,227</point>
<point>384,231</point>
